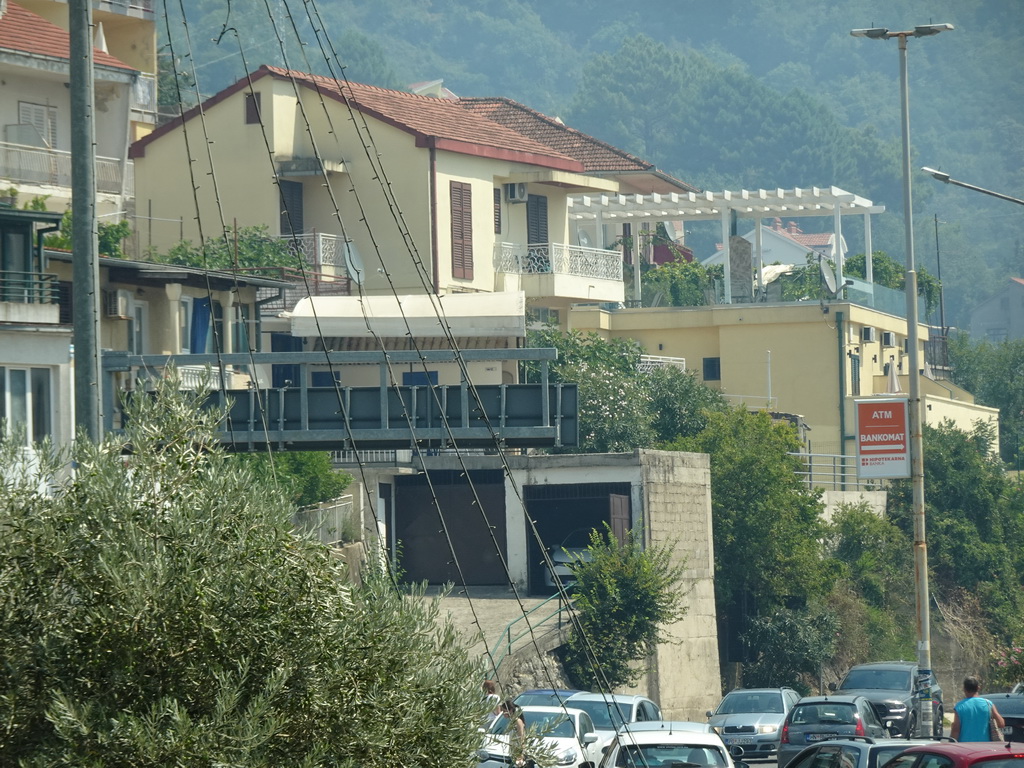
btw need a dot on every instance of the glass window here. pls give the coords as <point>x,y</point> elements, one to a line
<point>712,369</point>
<point>185,324</point>
<point>26,402</point>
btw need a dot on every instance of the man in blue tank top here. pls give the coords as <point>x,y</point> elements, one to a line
<point>972,714</point>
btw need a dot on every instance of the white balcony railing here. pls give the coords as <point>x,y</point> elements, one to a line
<point>559,259</point>
<point>143,97</point>
<point>319,250</point>
<point>649,362</point>
<point>23,164</point>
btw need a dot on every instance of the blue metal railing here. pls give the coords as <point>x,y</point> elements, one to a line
<point>506,643</point>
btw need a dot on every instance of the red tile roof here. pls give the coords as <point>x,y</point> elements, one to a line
<point>438,123</point>
<point>810,239</point>
<point>596,155</point>
<point>24,32</point>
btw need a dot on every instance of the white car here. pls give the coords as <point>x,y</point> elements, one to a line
<point>610,711</point>
<point>568,734</point>
<point>667,742</point>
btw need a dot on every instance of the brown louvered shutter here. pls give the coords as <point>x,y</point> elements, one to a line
<point>497,210</point>
<point>462,231</point>
<point>536,219</point>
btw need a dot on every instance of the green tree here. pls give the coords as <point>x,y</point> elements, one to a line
<point>975,519</point>
<point>678,284</point>
<point>620,407</point>
<point>159,610</point>
<point>245,247</point>
<point>888,272</point>
<point>764,516</point>
<point>625,595</point>
<point>308,477</point>
<point>994,374</point>
<point>791,646</point>
<point>110,236</point>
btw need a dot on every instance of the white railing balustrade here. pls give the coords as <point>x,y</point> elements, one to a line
<point>21,163</point>
<point>318,249</point>
<point>557,258</point>
<point>649,362</point>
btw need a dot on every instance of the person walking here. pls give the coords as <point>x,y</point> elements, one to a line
<point>493,700</point>
<point>516,732</point>
<point>972,714</point>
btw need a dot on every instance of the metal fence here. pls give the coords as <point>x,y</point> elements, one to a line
<point>833,472</point>
<point>21,163</point>
<point>557,258</point>
<point>331,522</point>
<point>29,288</point>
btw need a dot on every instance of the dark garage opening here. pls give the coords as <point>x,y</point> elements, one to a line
<point>565,514</point>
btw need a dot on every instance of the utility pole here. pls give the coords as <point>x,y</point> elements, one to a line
<point>84,234</point>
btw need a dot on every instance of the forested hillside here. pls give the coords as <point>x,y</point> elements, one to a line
<point>725,95</point>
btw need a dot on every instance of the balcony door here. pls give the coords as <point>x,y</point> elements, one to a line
<point>291,207</point>
<point>536,219</point>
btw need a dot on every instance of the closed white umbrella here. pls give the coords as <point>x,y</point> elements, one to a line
<point>892,386</point>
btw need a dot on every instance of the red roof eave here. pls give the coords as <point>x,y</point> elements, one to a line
<point>499,153</point>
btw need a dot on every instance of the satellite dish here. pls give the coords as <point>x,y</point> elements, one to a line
<point>583,238</point>
<point>353,263</point>
<point>828,277</point>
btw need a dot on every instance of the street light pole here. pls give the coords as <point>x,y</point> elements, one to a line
<point>924,643</point>
<point>944,178</point>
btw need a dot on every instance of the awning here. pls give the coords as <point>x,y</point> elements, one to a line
<point>466,315</point>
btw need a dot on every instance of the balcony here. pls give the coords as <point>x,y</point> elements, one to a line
<point>143,99</point>
<point>321,252</point>
<point>560,270</point>
<point>29,297</point>
<point>24,164</point>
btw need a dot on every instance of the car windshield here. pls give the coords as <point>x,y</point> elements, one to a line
<point>543,723</point>
<point>739,702</point>
<point>607,715</point>
<point>883,679</point>
<point>669,756</point>
<point>824,713</point>
<point>543,699</point>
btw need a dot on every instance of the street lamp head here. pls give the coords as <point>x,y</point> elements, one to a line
<point>875,33</point>
<point>944,177</point>
<point>925,30</point>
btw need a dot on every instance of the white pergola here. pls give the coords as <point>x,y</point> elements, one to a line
<point>725,206</point>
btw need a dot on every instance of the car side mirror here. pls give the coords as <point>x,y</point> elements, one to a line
<point>709,713</point>
<point>832,687</point>
<point>590,738</point>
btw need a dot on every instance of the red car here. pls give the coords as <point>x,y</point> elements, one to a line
<point>965,754</point>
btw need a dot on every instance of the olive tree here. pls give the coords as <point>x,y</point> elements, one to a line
<point>156,608</point>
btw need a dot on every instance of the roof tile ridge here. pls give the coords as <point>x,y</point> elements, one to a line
<point>344,82</point>
<point>557,123</point>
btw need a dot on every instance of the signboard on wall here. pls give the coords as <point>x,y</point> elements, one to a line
<point>883,438</point>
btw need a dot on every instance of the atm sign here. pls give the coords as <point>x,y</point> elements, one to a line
<point>883,442</point>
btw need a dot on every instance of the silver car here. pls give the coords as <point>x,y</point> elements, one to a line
<point>749,720</point>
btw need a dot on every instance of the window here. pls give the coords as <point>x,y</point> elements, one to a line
<point>712,369</point>
<point>536,219</point>
<point>252,109</point>
<point>43,119</point>
<point>462,230</point>
<point>855,375</point>
<point>138,327</point>
<point>244,330</point>
<point>185,324</point>
<point>26,403</point>
<point>996,335</point>
<point>543,316</point>
<point>497,210</point>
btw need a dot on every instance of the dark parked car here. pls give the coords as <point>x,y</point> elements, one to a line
<point>968,754</point>
<point>852,752</point>
<point>749,720</point>
<point>818,718</point>
<point>1011,707</point>
<point>889,685</point>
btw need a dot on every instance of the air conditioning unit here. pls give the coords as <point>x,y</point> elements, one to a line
<point>868,334</point>
<point>888,339</point>
<point>515,193</point>
<point>119,304</point>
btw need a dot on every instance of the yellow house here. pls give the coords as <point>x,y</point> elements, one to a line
<point>36,102</point>
<point>400,193</point>
<point>807,359</point>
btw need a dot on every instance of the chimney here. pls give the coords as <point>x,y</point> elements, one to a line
<point>793,229</point>
<point>777,224</point>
